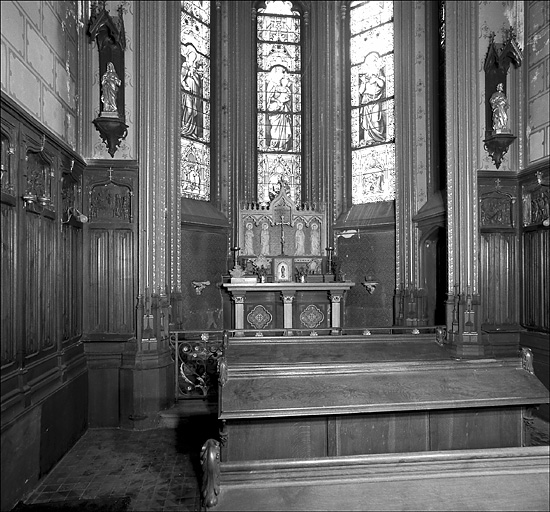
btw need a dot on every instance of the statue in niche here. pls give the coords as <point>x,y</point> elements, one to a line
<point>499,104</point>
<point>299,240</point>
<point>315,239</point>
<point>264,238</point>
<point>249,240</point>
<point>109,87</point>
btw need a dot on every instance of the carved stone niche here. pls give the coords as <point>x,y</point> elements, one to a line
<point>498,136</point>
<point>111,43</point>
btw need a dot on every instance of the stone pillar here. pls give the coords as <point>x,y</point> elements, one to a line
<point>336,299</point>
<point>461,84</point>
<point>238,299</point>
<point>288,300</point>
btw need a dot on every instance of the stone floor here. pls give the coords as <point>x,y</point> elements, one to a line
<point>158,469</point>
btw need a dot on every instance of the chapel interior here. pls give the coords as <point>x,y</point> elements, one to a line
<point>330,220</point>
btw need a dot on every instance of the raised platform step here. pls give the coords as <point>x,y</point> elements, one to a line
<point>496,479</point>
<point>183,410</point>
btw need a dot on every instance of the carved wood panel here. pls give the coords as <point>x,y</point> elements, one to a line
<point>498,276</point>
<point>110,294</point>
<point>7,325</point>
<point>536,276</point>
<point>110,252</point>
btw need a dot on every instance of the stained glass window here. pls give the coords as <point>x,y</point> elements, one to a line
<point>372,102</point>
<point>279,105</point>
<point>195,99</point>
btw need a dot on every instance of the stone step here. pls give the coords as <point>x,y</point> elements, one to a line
<point>185,409</point>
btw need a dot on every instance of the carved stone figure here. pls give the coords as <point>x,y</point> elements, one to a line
<point>248,240</point>
<point>299,240</point>
<point>315,240</point>
<point>499,104</point>
<point>264,238</point>
<point>109,88</point>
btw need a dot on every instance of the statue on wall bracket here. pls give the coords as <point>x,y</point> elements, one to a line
<point>498,135</point>
<point>111,43</point>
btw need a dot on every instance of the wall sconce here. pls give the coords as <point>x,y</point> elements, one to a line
<point>370,284</point>
<point>200,286</point>
<point>29,197</point>
<point>348,233</point>
<point>73,212</point>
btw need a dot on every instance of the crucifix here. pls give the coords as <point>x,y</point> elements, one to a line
<point>282,224</point>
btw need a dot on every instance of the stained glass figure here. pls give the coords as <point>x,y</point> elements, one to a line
<point>279,89</point>
<point>372,102</point>
<point>195,99</point>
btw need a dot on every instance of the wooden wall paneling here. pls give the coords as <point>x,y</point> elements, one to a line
<point>536,305</point>
<point>500,300</point>
<point>97,289</point>
<point>462,429</point>
<point>110,253</point>
<point>123,307</point>
<point>8,226</point>
<point>7,327</point>
<point>289,438</point>
<point>43,363</point>
<point>384,433</point>
<point>535,240</point>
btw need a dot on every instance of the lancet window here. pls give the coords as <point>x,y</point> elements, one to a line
<point>279,100</point>
<point>371,50</point>
<point>195,99</point>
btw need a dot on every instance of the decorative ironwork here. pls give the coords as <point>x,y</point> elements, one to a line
<point>196,358</point>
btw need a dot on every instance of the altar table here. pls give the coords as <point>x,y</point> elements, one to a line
<point>304,305</point>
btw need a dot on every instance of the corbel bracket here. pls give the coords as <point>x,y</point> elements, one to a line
<point>497,146</point>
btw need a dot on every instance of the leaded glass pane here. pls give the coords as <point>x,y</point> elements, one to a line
<point>372,101</point>
<point>279,93</point>
<point>195,99</point>
<point>373,177</point>
<point>273,168</point>
<point>195,170</point>
<point>367,15</point>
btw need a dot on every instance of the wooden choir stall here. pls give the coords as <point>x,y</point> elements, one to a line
<point>317,417</point>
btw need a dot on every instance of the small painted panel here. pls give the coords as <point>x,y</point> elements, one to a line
<point>311,317</point>
<point>259,317</point>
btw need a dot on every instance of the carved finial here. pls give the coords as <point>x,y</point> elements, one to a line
<point>527,360</point>
<point>210,464</point>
